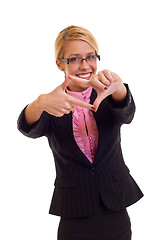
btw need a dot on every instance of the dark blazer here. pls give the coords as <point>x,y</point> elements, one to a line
<point>79,183</point>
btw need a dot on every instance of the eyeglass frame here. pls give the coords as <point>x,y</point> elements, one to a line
<point>67,60</point>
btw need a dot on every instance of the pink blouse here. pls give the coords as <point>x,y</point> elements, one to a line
<point>84,125</point>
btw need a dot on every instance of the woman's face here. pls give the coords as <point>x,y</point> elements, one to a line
<point>82,69</point>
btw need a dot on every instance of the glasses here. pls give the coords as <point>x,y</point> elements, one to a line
<point>77,60</point>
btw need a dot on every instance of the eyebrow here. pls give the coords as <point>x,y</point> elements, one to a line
<point>77,55</point>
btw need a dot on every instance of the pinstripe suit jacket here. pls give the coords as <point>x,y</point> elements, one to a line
<point>79,183</point>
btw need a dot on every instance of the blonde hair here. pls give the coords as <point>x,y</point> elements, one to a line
<point>73,33</point>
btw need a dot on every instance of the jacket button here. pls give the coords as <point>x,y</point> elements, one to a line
<point>93,170</point>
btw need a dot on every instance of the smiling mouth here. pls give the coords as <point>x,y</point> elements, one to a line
<point>85,75</point>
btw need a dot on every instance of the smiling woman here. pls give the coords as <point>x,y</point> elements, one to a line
<point>81,62</point>
<point>79,49</point>
<point>93,186</point>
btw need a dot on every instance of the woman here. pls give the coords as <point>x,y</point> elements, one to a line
<point>82,119</point>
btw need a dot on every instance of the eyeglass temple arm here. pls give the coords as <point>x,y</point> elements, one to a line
<point>98,56</point>
<point>65,60</point>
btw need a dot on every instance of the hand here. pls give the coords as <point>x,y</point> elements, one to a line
<point>114,87</point>
<point>105,84</point>
<point>58,102</point>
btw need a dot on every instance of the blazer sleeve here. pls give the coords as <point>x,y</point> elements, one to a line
<point>124,111</point>
<point>38,129</point>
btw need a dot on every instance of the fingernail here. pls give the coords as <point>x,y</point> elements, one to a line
<point>105,88</point>
<point>93,108</point>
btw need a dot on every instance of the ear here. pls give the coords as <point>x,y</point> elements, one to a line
<point>60,65</point>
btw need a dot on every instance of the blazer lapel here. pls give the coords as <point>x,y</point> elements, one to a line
<point>67,127</point>
<point>98,118</point>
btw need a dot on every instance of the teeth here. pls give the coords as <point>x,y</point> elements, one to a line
<point>84,75</point>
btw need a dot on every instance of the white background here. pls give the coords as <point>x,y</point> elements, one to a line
<point>128,36</point>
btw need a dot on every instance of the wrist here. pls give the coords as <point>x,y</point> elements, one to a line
<point>40,103</point>
<point>33,111</point>
<point>120,94</point>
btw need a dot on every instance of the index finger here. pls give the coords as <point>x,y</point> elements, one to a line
<point>93,82</point>
<point>81,103</point>
<point>80,81</point>
<point>108,75</point>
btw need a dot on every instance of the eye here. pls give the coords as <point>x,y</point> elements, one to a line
<point>74,59</point>
<point>91,57</point>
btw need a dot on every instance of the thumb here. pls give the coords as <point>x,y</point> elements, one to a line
<point>65,83</point>
<point>97,102</point>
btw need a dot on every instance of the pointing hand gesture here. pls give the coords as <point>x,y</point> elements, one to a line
<point>58,102</point>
